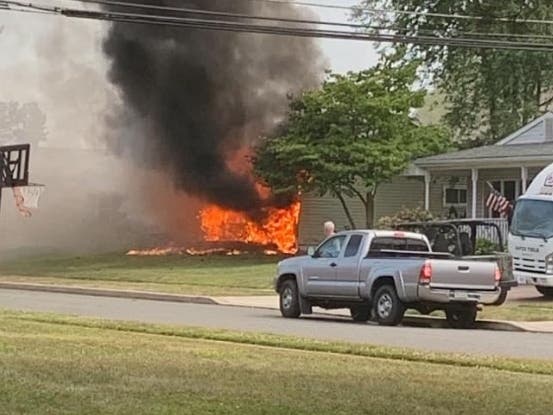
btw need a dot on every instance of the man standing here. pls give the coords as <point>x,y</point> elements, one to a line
<point>329,229</point>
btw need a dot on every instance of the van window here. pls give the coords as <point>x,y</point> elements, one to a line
<point>397,244</point>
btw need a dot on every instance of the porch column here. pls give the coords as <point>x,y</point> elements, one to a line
<point>427,180</point>
<point>524,178</point>
<point>474,176</point>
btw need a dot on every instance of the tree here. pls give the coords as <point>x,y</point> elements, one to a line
<point>489,93</point>
<point>350,136</point>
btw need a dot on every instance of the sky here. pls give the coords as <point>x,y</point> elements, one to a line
<point>345,55</point>
<point>58,62</point>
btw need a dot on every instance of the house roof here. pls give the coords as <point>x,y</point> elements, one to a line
<point>531,144</point>
<point>532,133</point>
<point>494,154</point>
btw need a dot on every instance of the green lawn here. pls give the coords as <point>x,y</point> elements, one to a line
<point>212,275</point>
<point>57,365</point>
<point>520,311</point>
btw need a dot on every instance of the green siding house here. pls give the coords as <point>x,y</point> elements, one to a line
<point>450,183</point>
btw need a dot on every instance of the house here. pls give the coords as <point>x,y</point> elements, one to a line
<point>449,183</point>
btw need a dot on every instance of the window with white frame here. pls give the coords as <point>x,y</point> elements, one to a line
<point>455,196</point>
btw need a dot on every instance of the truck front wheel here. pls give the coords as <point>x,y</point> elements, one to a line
<point>545,291</point>
<point>388,308</point>
<point>289,299</point>
<point>461,318</point>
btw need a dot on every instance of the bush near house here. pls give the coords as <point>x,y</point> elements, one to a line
<point>404,215</point>
<point>485,247</point>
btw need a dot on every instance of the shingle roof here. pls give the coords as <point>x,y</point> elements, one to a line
<point>490,154</point>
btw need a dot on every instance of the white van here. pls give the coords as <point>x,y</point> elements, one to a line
<point>531,234</point>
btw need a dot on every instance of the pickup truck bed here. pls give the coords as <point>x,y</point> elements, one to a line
<point>383,273</point>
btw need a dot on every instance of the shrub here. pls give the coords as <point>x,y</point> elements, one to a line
<point>485,247</point>
<point>404,215</point>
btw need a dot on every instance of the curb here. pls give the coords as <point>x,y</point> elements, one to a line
<point>413,321</point>
<point>440,323</point>
<point>101,292</point>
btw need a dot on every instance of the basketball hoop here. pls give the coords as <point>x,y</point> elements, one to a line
<point>14,173</point>
<point>27,197</point>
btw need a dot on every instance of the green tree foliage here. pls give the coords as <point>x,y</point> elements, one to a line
<point>489,93</point>
<point>350,136</point>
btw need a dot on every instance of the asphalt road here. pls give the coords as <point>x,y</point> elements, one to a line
<point>514,344</point>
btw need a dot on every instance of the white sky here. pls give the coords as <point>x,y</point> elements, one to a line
<point>345,55</point>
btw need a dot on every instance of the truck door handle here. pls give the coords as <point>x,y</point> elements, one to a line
<point>334,265</point>
<point>463,268</point>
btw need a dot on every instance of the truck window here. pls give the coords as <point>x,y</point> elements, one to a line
<point>353,246</point>
<point>397,244</point>
<point>331,248</point>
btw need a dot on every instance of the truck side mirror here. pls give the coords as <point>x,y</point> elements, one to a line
<point>311,251</point>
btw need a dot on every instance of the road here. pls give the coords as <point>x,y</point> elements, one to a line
<point>513,344</point>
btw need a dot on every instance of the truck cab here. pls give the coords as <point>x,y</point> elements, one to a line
<point>531,234</point>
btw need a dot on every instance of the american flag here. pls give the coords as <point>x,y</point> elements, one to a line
<point>497,202</point>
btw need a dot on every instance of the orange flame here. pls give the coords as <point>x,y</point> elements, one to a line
<point>279,227</point>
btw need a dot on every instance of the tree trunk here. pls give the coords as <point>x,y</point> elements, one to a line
<point>346,209</point>
<point>369,210</point>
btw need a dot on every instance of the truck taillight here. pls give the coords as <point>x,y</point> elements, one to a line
<point>497,274</point>
<point>425,276</point>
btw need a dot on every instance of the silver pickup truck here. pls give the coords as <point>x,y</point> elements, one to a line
<point>383,273</point>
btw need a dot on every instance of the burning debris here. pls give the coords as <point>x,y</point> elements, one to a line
<point>207,249</point>
<point>279,227</point>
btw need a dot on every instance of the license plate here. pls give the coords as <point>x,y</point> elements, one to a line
<point>463,296</point>
<point>458,295</point>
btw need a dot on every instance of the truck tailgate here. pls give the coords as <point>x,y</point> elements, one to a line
<point>463,275</point>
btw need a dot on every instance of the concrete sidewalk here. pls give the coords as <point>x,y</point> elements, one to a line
<point>264,302</point>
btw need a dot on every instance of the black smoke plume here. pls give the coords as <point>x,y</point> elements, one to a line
<point>199,95</point>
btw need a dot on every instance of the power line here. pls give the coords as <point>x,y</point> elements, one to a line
<point>405,12</point>
<point>288,31</point>
<point>245,27</point>
<point>132,5</point>
<point>220,14</point>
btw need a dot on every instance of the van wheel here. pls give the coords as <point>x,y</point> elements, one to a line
<point>388,308</point>
<point>360,313</point>
<point>289,299</point>
<point>461,318</point>
<point>545,291</point>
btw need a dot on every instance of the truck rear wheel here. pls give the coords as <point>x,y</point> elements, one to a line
<point>388,308</point>
<point>361,313</point>
<point>462,317</point>
<point>545,291</point>
<point>289,299</point>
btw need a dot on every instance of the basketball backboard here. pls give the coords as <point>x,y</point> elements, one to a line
<point>14,165</point>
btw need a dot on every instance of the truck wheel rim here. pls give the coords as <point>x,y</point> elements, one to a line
<point>287,297</point>
<point>385,305</point>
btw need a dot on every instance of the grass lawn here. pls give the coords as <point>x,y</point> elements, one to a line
<point>213,275</point>
<point>520,311</point>
<point>56,365</point>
